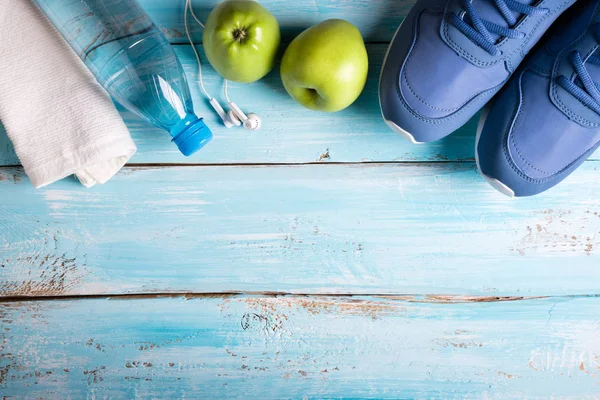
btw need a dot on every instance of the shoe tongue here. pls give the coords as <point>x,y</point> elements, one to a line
<point>488,11</point>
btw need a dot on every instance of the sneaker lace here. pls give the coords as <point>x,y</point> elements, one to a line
<point>583,87</point>
<point>480,31</point>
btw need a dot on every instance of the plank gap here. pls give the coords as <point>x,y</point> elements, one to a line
<point>293,164</point>
<point>410,298</point>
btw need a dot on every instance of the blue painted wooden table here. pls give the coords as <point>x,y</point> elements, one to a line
<point>320,257</point>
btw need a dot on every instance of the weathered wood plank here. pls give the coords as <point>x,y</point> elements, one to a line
<point>376,20</point>
<point>366,228</point>
<point>290,133</point>
<point>296,347</point>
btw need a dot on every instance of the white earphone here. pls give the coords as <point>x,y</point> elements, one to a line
<point>235,116</point>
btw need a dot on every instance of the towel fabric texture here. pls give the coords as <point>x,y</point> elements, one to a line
<point>58,117</point>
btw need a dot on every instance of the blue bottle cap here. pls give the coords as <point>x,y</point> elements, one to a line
<point>192,135</point>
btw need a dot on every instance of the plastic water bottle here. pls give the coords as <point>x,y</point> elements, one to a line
<point>133,61</point>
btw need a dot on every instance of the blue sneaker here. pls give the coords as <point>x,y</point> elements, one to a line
<point>546,121</point>
<point>450,57</point>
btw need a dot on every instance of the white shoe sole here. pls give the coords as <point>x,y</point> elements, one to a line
<point>401,131</point>
<point>495,183</point>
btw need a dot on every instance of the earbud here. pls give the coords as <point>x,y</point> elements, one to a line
<point>253,122</point>
<point>234,120</point>
<point>235,116</point>
<point>226,121</point>
<point>250,122</point>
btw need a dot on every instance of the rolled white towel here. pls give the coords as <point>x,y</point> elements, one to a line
<point>58,117</point>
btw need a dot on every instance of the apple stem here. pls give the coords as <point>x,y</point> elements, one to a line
<point>239,34</point>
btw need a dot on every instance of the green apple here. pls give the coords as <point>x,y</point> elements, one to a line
<point>325,67</point>
<point>241,39</point>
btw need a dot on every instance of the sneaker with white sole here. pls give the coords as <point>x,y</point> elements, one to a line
<point>546,120</point>
<point>450,57</point>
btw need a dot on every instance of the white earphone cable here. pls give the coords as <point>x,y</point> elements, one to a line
<point>194,14</point>
<point>225,86</point>
<point>188,5</point>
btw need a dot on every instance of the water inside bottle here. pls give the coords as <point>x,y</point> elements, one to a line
<point>142,73</point>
